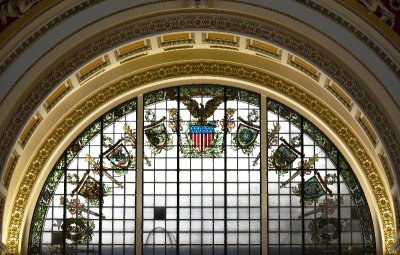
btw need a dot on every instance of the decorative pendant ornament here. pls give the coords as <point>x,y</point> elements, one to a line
<point>327,207</point>
<point>323,230</point>
<point>395,5</point>
<point>175,124</point>
<point>78,230</point>
<point>75,207</point>
<point>272,138</point>
<point>230,123</point>
<point>253,116</point>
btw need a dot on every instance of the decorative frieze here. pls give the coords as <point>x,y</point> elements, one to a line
<point>264,48</point>
<point>132,49</point>
<point>57,95</point>
<point>9,169</point>
<point>364,123</point>
<point>221,39</point>
<point>304,67</point>
<point>339,94</point>
<point>93,68</point>
<point>29,128</point>
<point>386,167</point>
<point>176,39</point>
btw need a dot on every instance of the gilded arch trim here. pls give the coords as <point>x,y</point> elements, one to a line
<point>203,21</point>
<point>386,217</point>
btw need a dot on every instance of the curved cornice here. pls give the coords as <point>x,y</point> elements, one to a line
<point>44,6</point>
<point>390,60</point>
<point>176,22</point>
<point>244,73</point>
<point>374,21</point>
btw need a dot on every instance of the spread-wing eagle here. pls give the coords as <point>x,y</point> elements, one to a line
<point>202,112</point>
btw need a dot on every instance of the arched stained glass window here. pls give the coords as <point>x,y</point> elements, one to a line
<point>81,211</point>
<point>315,203</point>
<point>213,162</point>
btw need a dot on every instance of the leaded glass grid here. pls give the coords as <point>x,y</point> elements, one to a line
<point>202,163</point>
<point>314,200</point>
<point>202,194</point>
<point>74,215</point>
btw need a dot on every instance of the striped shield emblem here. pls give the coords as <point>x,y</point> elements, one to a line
<point>202,136</point>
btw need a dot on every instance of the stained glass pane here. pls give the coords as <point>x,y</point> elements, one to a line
<point>201,182</point>
<point>312,191</point>
<point>202,187</point>
<point>88,202</point>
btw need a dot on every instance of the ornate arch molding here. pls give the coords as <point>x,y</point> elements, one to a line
<point>29,181</point>
<point>231,24</point>
<point>223,23</point>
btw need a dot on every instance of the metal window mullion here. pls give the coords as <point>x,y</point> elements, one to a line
<point>178,134</point>
<point>338,200</point>
<point>139,176</point>
<point>235,208</point>
<point>112,198</point>
<point>124,216</point>
<point>303,235</point>
<point>65,202</point>
<point>225,176</point>
<point>264,166</point>
<point>101,183</point>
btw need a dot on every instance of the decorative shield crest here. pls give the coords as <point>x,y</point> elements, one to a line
<point>202,136</point>
<point>118,155</point>
<point>284,156</point>
<point>246,135</point>
<point>156,134</point>
<point>313,188</point>
<point>89,188</point>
